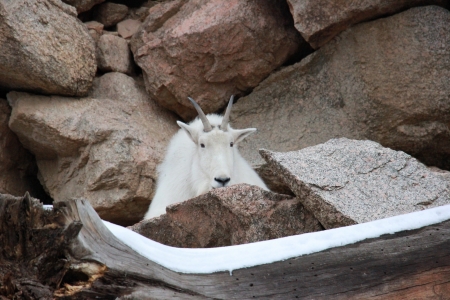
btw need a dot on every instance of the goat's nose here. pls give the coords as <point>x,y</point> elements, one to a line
<point>222,180</point>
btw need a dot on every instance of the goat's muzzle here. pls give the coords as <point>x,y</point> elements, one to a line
<point>222,180</point>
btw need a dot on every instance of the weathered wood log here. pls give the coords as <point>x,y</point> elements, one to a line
<point>33,245</point>
<point>68,253</point>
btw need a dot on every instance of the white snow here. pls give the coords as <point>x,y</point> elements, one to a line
<point>48,206</point>
<point>230,258</point>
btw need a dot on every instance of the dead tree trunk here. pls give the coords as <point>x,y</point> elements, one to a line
<point>68,253</point>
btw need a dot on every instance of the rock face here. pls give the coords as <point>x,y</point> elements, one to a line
<point>320,21</point>
<point>386,80</point>
<point>234,215</point>
<point>345,182</point>
<point>114,55</point>
<point>210,50</point>
<point>104,148</point>
<point>45,48</point>
<point>17,166</point>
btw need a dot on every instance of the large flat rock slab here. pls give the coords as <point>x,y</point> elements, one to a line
<point>345,182</point>
<point>234,215</point>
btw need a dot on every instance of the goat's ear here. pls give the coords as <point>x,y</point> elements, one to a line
<point>240,134</point>
<point>192,133</point>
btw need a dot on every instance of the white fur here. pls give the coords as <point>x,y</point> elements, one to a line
<point>188,170</point>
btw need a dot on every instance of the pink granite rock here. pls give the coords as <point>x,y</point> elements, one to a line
<point>94,25</point>
<point>110,14</point>
<point>45,48</point>
<point>210,50</point>
<point>95,29</point>
<point>233,215</point>
<point>320,20</point>
<point>104,148</point>
<point>128,27</point>
<point>114,55</point>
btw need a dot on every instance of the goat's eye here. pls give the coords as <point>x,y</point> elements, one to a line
<point>231,144</point>
<point>202,145</point>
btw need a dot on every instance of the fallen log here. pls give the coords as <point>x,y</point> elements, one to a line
<point>68,253</point>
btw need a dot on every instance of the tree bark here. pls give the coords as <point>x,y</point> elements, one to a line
<point>68,253</point>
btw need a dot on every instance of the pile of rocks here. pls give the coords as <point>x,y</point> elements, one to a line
<point>339,183</point>
<point>386,80</point>
<point>90,89</point>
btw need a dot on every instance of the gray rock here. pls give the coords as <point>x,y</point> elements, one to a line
<point>114,55</point>
<point>443,173</point>
<point>345,182</point>
<point>45,48</point>
<point>386,81</point>
<point>233,215</point>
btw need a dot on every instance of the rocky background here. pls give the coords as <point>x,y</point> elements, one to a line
<point>90,92</point>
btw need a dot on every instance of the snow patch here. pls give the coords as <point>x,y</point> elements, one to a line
<point>210,260</point>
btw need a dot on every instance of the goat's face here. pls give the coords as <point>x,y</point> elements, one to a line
<point>215,156</point>
<point>215,152</point>
<point>215,141</point>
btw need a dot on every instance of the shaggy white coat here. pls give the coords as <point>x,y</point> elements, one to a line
<point>194,160</point>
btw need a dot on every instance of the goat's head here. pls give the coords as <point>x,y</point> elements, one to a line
<point>215,142</point>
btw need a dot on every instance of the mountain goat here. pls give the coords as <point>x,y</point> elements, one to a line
<point>201,156</point>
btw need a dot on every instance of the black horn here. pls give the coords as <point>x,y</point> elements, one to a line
<point>226,116</point>
<point>206,125</point>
